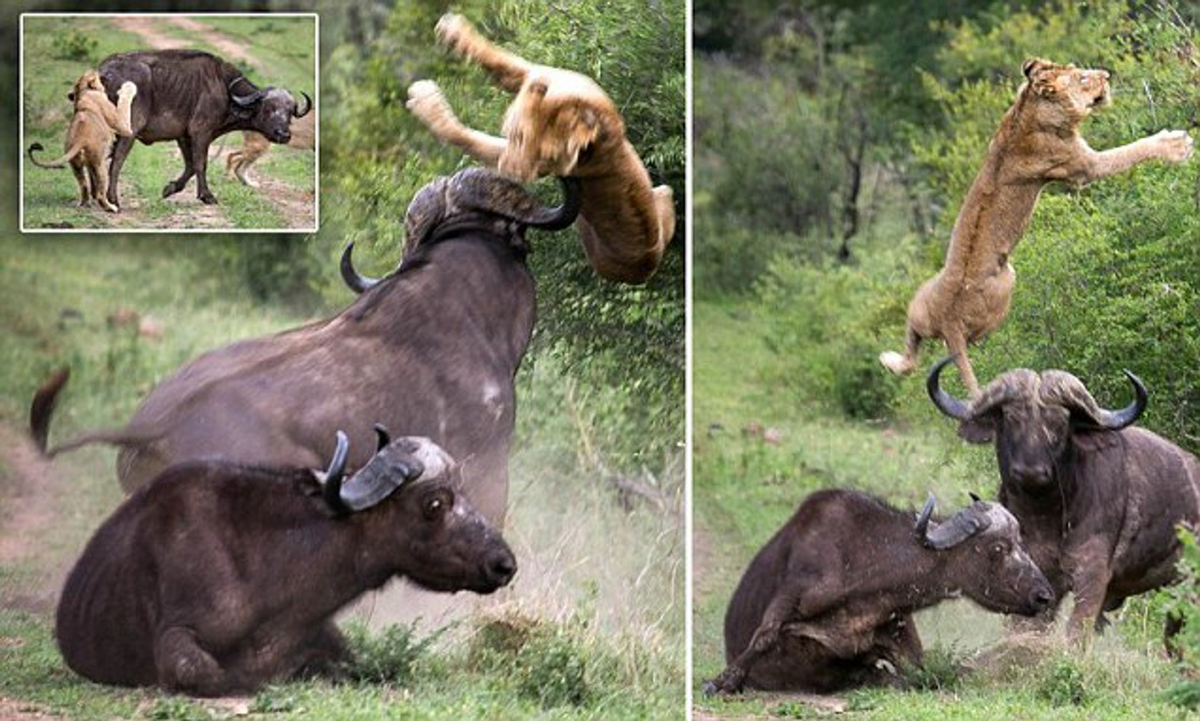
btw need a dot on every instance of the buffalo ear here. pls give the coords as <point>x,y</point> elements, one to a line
<point>977,430</point>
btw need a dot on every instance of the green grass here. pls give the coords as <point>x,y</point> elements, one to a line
<point>604,583</point>
<point>287,53</point>
<point>744,490</point>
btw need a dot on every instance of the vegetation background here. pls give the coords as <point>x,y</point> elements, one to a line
<point>271,51</point>
<point>834,144</point>
<point>593,627</point>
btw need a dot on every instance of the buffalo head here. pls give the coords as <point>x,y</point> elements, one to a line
<point>407,499</point>
<point>1032,417</point>
<point>272,109</point>
<point>986,559</point>
<point>472,197</point>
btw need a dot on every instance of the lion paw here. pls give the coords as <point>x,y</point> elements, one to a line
<point>127,89</point>
<point>1174,145</point>
<point>426,101</point>
<point>454,31</point>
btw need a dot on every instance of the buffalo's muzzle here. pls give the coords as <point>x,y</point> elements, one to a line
<point>499,568</point>
<point>1040,599</point>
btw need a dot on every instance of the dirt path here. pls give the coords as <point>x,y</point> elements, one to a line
<point>229,47</point>
<point>28,487</point>
<point>148,30</point>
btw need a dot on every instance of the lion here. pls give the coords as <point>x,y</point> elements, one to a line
<point>1038,142</point>
<point>93,128</point>
<point>255,145</point>
<point>561,123</point>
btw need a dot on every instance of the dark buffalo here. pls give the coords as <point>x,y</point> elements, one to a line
<point>828,602</point>
<point>217,577</point>
<point>192,97</point>
<point>1098,501</point>
<point>431,350</point>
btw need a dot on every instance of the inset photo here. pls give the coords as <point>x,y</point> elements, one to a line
<point>169,122</point>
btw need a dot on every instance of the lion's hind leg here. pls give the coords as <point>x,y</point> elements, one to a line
<point>507,70</point>
<point>81,178</point>
<point>664,203</point>
<point>904,364</point>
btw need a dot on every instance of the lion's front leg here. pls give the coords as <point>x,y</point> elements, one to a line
<point>457,33</point>
<point>1172,146</point>
<point>426,101</point>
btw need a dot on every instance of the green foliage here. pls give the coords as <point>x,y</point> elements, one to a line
<point>1182,603</point>
<point>75,45</point>
<point>388,656</point>
<point>1063,683</point>
<point>631,338</point>
<point>941,669</point>
<point>177,708</point>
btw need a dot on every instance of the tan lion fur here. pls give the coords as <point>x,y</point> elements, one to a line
<point>561,123</point>
<point>93,128</point>
<point>1038,141</point>
<point>255,145</point>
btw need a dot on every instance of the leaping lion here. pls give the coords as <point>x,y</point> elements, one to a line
<point>93,128</point>
<point>1038,141</point>
<point>561,123</point>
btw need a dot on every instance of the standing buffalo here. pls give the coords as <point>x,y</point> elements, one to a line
<point>430,350</point>
<point>829,600</point>
<point>1098,501</point>
<point>218,577</point>
<point>192,97</point>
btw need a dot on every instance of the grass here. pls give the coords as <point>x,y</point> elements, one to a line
<point>745,488</point>
<point>601,584</point>
<point>286,55</point>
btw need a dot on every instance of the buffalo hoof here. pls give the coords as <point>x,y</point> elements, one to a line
<point>208,198</point>
<point>170,189</point>
<point>709,688</point>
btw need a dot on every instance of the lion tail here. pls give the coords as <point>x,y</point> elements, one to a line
<point>57,163</point>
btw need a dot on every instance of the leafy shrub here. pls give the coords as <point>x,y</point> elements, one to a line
<point>940,670</point>
<point>387,657</point>
<point>1182,601</point>
<point>548,663</point>
<point>74,45</point>
<point>1062,683</point>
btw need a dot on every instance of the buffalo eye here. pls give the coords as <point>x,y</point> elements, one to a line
<point>998,549</point>
<point>437,504</point>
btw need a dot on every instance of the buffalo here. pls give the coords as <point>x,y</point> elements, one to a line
<point>218,577</point>
<point>192,97</point>
<point>430,350</point>
<point>827,604</point>
<point>1099,501</point>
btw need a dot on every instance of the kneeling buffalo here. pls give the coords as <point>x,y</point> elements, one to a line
<point>1099,501</point>
<point>827,604</point>
<point>217,577</point>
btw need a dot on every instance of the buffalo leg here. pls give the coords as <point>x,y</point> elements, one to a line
<point>119,153</point>
<point>1090,576</point>
<point>765,638</point>
<point>176,185</point>
<point>326,653</point>
<point>184,666</point>
<point>200,166</point>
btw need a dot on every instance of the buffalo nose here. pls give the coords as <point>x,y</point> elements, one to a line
<point>501,567</point>
<point>1033,472</point>
<point>1042,598</point>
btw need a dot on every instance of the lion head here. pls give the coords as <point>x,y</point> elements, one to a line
<point>1064,94</point>
<point>554,124</point>
<point>88,81</point>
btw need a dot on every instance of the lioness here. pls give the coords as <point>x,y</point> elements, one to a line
<point>561,123</point>
<point>94,126</point>
<point>1038,141</point>
<point>255,145</point>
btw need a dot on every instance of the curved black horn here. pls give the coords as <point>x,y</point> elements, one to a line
<point>391,467</point>
<point>357,283</point>
<point>245,101</point>
<point>945,402</point>
<point>298,113</point>
<point>1127,416</point>
<point>381,432</point>
<point>488,191</point>
<point>332,490</point>
<point>974,497</point>
<point>922,526</point>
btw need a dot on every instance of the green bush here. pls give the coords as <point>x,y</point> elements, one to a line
<point>1062,683</point>
<point>388,656</point>
<point>1182,601</point>
<point>75,45</point>
<point>940,670</point>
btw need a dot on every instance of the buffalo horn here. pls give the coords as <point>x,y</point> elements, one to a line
<point>298,113</point>
<point>388,469</point>
<point>950,533</point>
<point>357,283</point>
<point>1116,420</point>
<point>945,402</point>
<point>332,489</point>
<point>487,191</point>
<point>381,432</point>
<point>245,101</point>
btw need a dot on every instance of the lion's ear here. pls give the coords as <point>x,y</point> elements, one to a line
<point>1031,65</point>
<point>71,96</point>
<point>1041,81</point>
<point>585,129</point>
